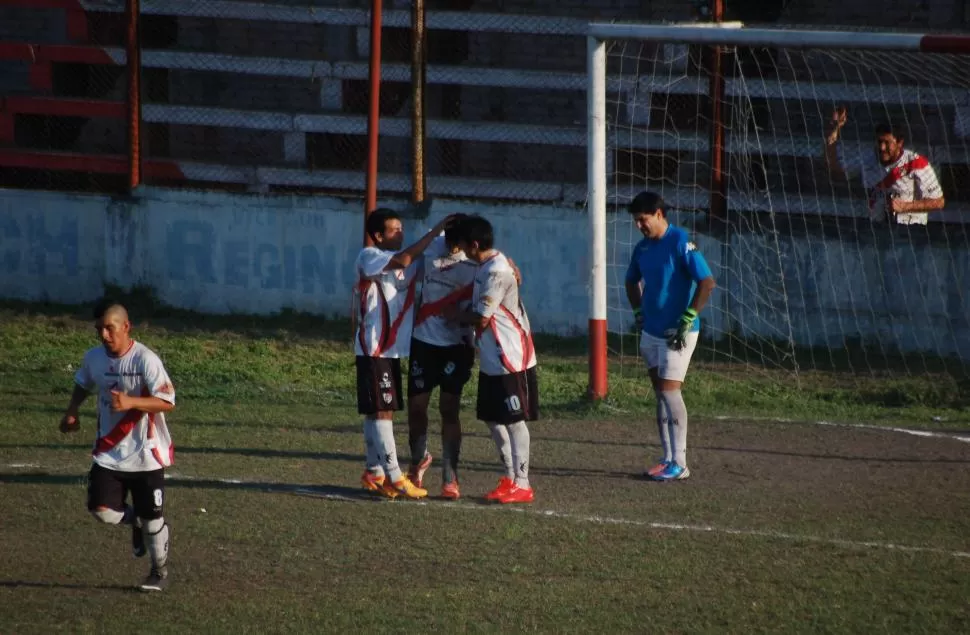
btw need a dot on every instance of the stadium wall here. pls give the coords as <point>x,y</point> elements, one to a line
<point>232,253</point>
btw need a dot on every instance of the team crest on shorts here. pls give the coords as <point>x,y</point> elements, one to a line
<point>449,368</point>
<point>388,397</point>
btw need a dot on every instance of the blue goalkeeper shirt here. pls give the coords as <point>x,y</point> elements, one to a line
<point>670,268</point>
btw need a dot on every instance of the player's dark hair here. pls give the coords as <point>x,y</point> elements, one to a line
<point>455,231</point>
<point>478,230</point>
<point>377,220</point>
<point>647,202</point>
<point>885,127</point>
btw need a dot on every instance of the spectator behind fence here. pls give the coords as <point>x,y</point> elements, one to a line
<point>901,185</point>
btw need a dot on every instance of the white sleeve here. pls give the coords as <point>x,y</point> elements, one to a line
<point>83,376</point>
<point>492,291</point>
<point>156,379</point>
<point>372,261</point>
<point>928,184</point>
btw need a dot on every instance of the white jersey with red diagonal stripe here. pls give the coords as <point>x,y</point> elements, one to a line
<point>129,441</point>
<point>385,311</point>
<point>505,344</point>
<point>908,178</point>
<point>448,280</point>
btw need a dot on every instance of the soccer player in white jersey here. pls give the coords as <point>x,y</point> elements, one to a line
<point>133,446</point>
<point>386,285</point>
<point>508,393</point>
<point>901,184</point>
<point>442,355</point>
<point>668,283</point>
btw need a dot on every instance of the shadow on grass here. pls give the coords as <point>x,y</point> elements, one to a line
<point>26,584</point>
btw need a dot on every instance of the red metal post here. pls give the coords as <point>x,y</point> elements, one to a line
<point>418,69</point>
<point>373,113</point>
<point>719,182</point>
<point>133,63</point>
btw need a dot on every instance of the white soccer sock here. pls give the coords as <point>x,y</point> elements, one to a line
<point>500,435</point>
<point>520,440</point>
<point>663,430</point>
<point>156,540</point>
<point>370,441</point>
<point>677,410</point>
<point>387,449</point>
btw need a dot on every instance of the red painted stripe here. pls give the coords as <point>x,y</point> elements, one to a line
<point>103,164</point>
<point>54,53</point>
<point>77,25</point>
<point>64,107</point>
<point>435,308</point>
<point>958,44</point>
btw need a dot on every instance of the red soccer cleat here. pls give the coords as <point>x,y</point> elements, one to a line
<point>450,491</point>
<point>518,495</point>
<point>504,485</point>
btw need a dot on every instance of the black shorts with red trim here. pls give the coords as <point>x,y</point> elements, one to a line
<point>449,367</point>
<point>378,384</point>
<point>110,488</point>
<point>508,398</point>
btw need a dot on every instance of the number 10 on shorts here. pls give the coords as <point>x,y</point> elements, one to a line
<point>513,403</point>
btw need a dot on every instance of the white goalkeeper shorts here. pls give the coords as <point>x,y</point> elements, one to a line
<point>670,364</point>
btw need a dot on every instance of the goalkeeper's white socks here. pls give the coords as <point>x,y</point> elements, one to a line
<point>500,435</point>
<point>387,449</point>
<point>677,414</point>
<point>520,440</point>
<point>663,428</point>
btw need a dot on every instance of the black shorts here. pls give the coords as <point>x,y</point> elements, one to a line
<point>110,488</point>
<point>508,398</point>
<point>378,384</point>
<point>447,366</point>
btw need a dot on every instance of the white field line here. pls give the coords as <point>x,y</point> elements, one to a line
<point>965,438</point>
<point>579,518</point>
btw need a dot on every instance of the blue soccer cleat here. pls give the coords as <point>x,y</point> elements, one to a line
<point>673,472</point>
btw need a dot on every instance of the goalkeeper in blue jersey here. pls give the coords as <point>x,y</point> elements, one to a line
<point>676,284</point>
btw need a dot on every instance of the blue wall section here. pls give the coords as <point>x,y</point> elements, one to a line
<point>222,253</point>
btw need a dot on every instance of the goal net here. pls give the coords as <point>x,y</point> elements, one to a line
<point>814,272</point>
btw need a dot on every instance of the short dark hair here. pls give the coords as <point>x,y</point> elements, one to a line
<point>884,127</point>
<point>377,220</point>
<point>106,305</point>
<point>647,202</point>
<point>476,229</point>
<point>455,231</point>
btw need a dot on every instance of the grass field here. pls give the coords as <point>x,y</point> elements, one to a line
<point>786,525</point>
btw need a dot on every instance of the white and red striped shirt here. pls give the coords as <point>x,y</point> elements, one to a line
<point>909,178</point>
<point>385,311</point>
<point>129,441</point>
<point>449,279</point>
<point>505,344</point>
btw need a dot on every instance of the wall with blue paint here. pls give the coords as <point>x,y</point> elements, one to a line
<point>222,253</point>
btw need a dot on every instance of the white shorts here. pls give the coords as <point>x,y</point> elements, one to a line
<point>670,364</point>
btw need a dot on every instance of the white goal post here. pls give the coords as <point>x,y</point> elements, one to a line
<point>636,141</point>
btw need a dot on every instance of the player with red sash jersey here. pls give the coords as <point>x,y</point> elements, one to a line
<point>442,356</point>
<point>386,287</point>
<point>901,184</point>
<point>133,446</point>
<point>508,391</point>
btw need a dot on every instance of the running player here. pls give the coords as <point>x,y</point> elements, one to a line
<point>508,393</point>
<point>133,445</point>
<point>677,284</point>
<point>442,355</point>
<point>386,286</point>
<point>901,184</point>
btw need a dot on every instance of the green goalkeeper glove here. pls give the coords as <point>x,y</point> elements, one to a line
<point>678,339</point>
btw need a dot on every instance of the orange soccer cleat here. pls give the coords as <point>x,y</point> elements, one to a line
<point>518,495</point>
<point>504,485</point>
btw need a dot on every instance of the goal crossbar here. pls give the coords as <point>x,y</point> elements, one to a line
<point>713,35</point>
